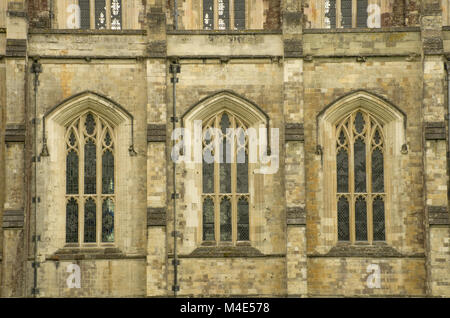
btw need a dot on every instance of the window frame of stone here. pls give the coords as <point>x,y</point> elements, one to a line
<point>231,15</point>
<point>233,195</point>
<point>108,15</point>
<point>393,123</point>
<point>338,14</point>
<point>371,135</point>
<point>253,117</point>
<point>78,130</point>
<point>52,178</point>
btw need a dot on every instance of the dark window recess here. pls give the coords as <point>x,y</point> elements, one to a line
<point>346,12</point>
<point>225,219</point>
<point>223,10</point>
<point>208,166</point>
<point>360,166</point>
<point>208,220</point>
<point>100,14</point>
<point>239,14</point>
<point>108,220</point>
<point>378,219</point>
<point>116,14</point>
<point>342,171</point>
<point>242,172</point>
<point>208,14</point>
<point>225,155</point>
<point>242,224</point>
<point>90,124</point>
<point>361,13</point>
<point>377,171</point>
<point>90,180</point>
<point>331,14</point>
<point>90,219</point>
<point>343,219</point>
<point>72,172</point>
<point>72,221</point>
<point>85,14</point>
<point>361,219</point>
<point>108,172</point>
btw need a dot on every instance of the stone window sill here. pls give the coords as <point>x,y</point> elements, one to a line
<point>89,253</point>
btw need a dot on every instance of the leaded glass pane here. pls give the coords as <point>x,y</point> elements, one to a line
<point>72,221</point>
<point>90,172</point>
<point>107,172</point>
<point>342,138</point>
<point>72,139</point>
<point>108,220</point>
<point>377,171</point>
<point>208,176</point>
<point>342,170</point>
<point>343,219</point>
<point>85,14</point>
<point>208,14</point>
<point>90,221</point>
<point>225,154</point>
<point>100,14</point>
<point>360,165</point>
<point>208,220</point>
<point>72,172</point>
<point>242,173</point>
<point>108,139</point>
<point>243,224</point>
<point>330,13</point>
<point>225,220</point>
<point>346,12</point>
<point>116,14</point>
<point>223,10</point>
<point>378,220</point>
<point>359,122</point>
<point>361,219</point>
<point>239,14</point>
<point>361,14</point>
<point>90,124</point>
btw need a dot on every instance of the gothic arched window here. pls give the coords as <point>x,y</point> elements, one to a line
<point>360,197</point>
<point>225,198</point>
<point>224,14</point>
<point>100,14</point>
<point>90,181</point>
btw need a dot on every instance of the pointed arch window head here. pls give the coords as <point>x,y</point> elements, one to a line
<point>225,181</point>
<point>360,196</point>
<point>90,183</point>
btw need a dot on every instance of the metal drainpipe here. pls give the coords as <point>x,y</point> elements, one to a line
<point>36,68</point>
<point>174,68</point>
<point>448,121</point>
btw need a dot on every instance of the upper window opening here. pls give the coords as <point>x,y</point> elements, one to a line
<point>100,14</point>
<point>223,14</point>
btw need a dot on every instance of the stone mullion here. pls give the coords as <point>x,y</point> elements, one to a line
<point>108,13</point>
<point>98,167</point>
<point>82,198</point>
<point>92,12</point>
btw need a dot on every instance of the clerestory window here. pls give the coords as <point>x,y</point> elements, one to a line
<point>90,180</point>
<point>360,195</point>
<point>100,14</point>
<point>224,14</point>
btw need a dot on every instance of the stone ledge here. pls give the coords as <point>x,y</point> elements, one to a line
<point>438,215</point>
<point>378,250</point>
<point>435,131</point>
<point>295,216</point>
<point>224,252</point>
<point>15,133</point>
<point>86,32</point>
<point>72,253</point>
<point>222,32</point>
<point>362,30</point>
<point>156,216</point>
<point>156,133</point>
<point>13,219</point>
<point>294,132</point>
